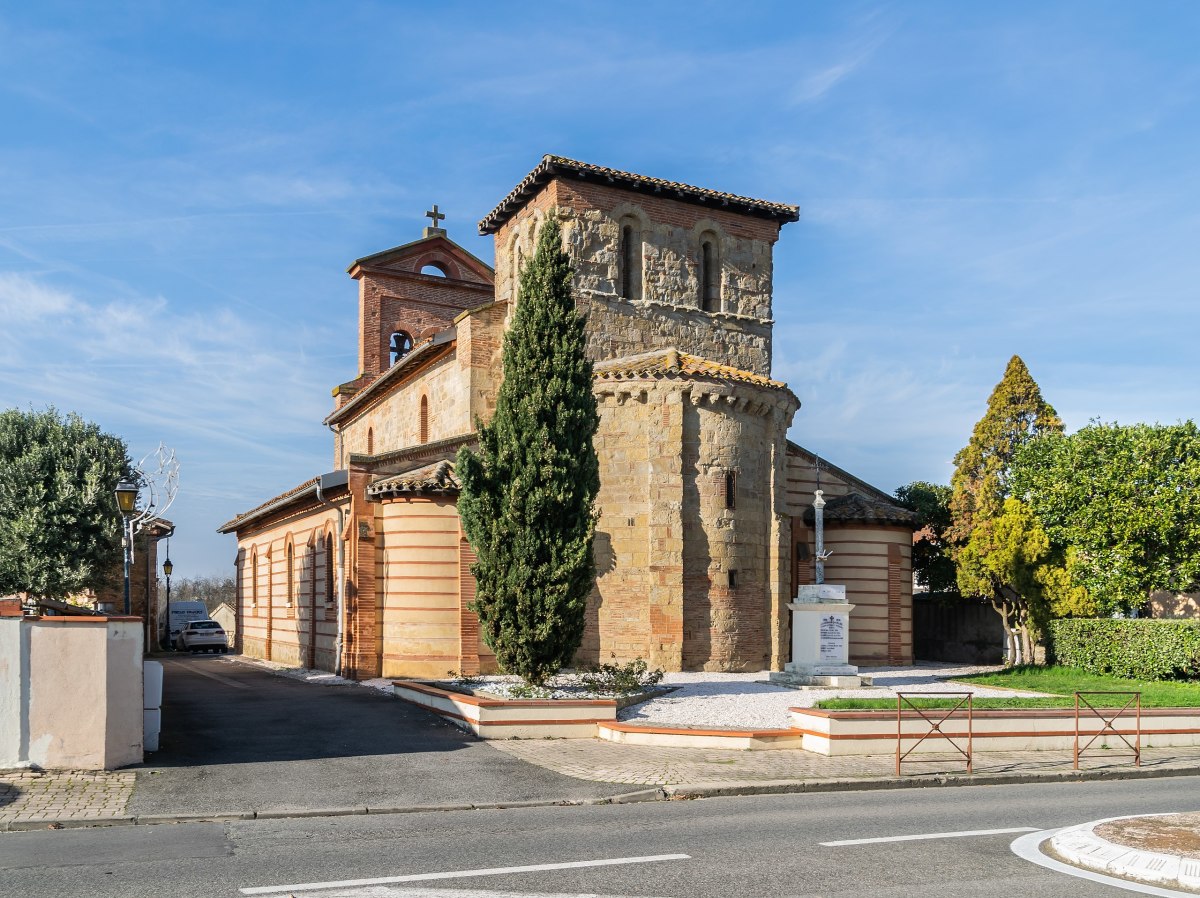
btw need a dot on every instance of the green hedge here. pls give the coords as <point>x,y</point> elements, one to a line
<point>1141,649</point>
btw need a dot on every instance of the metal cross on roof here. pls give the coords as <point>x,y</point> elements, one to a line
<point>435,216</point>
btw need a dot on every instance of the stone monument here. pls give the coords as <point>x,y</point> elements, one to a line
<point>820,626</point>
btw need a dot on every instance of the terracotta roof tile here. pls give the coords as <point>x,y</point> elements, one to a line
<point>672,363</point>
<point>859,509</point>
<point>276,500</point>
<point>552,166</point>
<point>433,478</point>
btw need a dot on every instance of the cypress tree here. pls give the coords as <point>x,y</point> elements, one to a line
<point>527,497</point>
<point>998,545</point>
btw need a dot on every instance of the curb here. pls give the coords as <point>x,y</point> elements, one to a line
<point>1081,847</point>
<point>682,792</point>
<point>641,795</point>
<point>784,787</point>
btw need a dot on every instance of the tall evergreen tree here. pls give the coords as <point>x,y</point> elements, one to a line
<point>527,497</point>
<point>60,530</point>
<point>1016,414</point>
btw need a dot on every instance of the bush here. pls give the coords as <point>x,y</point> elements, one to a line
<point>1140,649</point>
<point>622,679</point>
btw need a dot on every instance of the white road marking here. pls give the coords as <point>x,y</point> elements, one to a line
<point>440,892</point>
<point>923,836</point>
<point>458,874</point>
<point>1028,848</point>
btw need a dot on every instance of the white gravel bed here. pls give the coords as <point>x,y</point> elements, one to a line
<point>747,701</point>
<point>706,699</point>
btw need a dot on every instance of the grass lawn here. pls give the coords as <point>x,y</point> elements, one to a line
<point>1060,682</point>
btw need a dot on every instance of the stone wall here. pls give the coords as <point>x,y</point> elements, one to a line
<point>666,310</point>
<point>684,573</point>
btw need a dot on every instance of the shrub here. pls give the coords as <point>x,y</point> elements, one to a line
<point>1133,649</point>
<point>621,679</point>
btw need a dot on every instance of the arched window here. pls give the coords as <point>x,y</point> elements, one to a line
<point>629,256</point>
<point>424,419</point>
<point>370,441</point>
<point>290,560</point>
<point>254,578</point>
<point>710,274</point>
<point>434,270</point>
<point>518,264</point>
<point>401,345</point>
<point>329,597</point>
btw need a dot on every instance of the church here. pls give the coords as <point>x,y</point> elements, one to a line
<point>705,519</point>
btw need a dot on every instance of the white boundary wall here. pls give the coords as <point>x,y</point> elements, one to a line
<point>70,692</point>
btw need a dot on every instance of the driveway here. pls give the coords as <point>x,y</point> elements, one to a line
<point>237,739</point>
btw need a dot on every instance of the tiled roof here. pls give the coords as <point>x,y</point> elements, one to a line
<point>306,486</point>
<point>672,363</point>
<point>434,478</point>
<point>552,166</point>
<point>859,509</point>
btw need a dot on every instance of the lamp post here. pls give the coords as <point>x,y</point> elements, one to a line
<point>167,568</point>
<point>127,494</point>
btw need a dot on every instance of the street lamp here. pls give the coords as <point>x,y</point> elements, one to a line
<point>127,494</point>
<point>167,568</point>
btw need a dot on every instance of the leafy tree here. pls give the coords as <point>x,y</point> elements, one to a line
<point>1123,503</point>
<point>931,561</point>
<point>60,530</point>
<point>527,496</point>
<point>1016,414</point>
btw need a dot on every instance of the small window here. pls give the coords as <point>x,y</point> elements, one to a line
<point>424,419</point>
<point>291,574</point>
<point>401,345</point>
<point>370,441</point>
<point>730,489</point>
<point>733,579</point>
<point>254,581</point>
<point>710,276</point>
<point>329,569</point>
<point>629,260</point>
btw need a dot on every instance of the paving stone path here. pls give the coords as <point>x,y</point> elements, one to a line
<point>73,795</point>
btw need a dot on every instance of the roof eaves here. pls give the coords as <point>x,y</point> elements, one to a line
<point>552,166</point>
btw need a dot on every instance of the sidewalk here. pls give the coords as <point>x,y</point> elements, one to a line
<point>36,800</point>
<point>711,770</point>
<point>635,773</point>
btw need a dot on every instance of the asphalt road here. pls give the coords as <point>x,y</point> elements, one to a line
<point>761,847</point>
<point>238,739</point>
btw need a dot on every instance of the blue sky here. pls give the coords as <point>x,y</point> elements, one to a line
<point>182,186</point>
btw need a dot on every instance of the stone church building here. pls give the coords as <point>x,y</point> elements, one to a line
<point>704,530</point>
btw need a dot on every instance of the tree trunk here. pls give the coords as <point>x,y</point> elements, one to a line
<point>1000,606</point>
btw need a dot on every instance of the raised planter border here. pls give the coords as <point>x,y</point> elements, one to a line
<point>873,732</point>
<point>499,718</point>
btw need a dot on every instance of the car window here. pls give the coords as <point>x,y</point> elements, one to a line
<point>205,625</point>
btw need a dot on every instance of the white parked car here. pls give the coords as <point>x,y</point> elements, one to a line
<point>201,636</point>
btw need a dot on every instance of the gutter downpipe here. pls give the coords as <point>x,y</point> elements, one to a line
<point>340,567</point>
